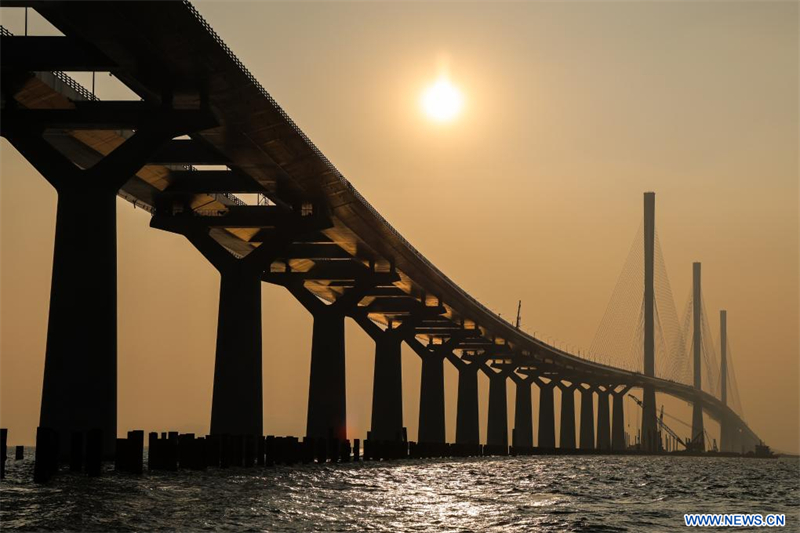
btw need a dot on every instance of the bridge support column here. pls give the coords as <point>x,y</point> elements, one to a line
<point>327,390</point>
<point>387,389</point>
<point>79,390</point>
<point>618,420</point>
<point>431,400</point>
<point>523,415</point>
<point>467,423</point>
<point>587,418</point>
<point>547,421</point>
<point>80,375</point>
<point>603,420</point>
<point>649,439</point>
<point>237,405</point>
<point>497,423</point>
<point>567,435</point>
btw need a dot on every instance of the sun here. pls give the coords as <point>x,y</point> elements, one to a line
<point>442,101</point>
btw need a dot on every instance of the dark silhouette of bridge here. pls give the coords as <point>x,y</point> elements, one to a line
<point>310,231</point>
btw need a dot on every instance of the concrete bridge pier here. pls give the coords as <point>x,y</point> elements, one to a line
<point>467,423</point>
<point>603,419</point>
<point>387,394</point>
<point>237,404</point>
<point>547,421</point>
<point>237,400</point>
<point>587,418</point>
<point>567,435</point>
<point>497,423</point>
<point>387,385</point>
<point>523,415</point>
<point>431,399</point>
<point>79,390</point>
<point>327,398</point>
<point>618,419</point>
<point>327,391</point>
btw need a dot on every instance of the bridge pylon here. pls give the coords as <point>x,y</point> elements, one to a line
<point>698,431</point>
<point>726,424</point>
<point>649,441</point>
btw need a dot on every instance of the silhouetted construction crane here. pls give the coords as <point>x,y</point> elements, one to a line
<point>661,423</point>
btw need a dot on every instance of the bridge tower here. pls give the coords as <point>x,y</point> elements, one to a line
<point>698,433</point>
<point>650,441</point>
<point>725,433</point>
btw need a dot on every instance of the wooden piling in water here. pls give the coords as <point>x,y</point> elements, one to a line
<point>3,451</point>
<point>46,461</point>
<point>94,452</point>
<point>121,457</point>
<point>135,449</point>
<point>76,451</point>
<point>152,453</point>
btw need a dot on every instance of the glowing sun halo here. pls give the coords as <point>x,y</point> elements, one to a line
<point>442,101</point>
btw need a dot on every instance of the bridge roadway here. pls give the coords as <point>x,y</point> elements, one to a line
<point>316,234</point>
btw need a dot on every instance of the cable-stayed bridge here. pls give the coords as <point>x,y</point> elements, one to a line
<point>203,136</point>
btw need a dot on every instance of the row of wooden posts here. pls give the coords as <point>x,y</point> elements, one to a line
<point>171,451</point>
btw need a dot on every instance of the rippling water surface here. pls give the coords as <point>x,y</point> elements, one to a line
<point>544,493</point>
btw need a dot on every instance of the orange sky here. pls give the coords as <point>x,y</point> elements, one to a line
<point>572,110</point>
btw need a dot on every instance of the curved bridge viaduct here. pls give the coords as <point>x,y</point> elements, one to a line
<point>311,232</point>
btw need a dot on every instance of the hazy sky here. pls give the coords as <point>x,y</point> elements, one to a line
<point>571,111</point>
